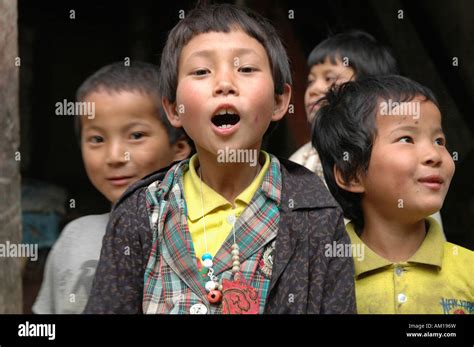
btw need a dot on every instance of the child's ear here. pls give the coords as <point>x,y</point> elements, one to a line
<point>281,103</point>
<point>355,185</point>
<point>171,110</point>
<point>181,150</point>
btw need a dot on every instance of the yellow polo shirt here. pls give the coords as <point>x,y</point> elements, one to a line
<point>219,212</point>
<point>437,279</point>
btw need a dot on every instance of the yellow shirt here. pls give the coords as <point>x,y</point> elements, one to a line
<point>437,279</point>
<point>219,212</point>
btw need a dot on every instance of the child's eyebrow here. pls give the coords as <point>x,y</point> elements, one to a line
<point>125,128</point>
<point>332,68</point>
<point>414,129</point>
<point>405,128</point>
<point>133,124</point>
<point>206,53</point>
<point>438,131</point>
<point>92,127</point>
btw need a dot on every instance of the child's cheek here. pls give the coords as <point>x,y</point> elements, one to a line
<point>189,97</point>
<point>151,159</point>
<point>450,168</point>
<point>89,160</point>
<point>389,170</point>
<point>94,164</point>
<point>263,105</point>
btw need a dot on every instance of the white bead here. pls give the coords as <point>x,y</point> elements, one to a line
<point>236,263</point>
<point>235,268</point>
<point>235,252</point>
<point>220,287</point>
<point>207,263</point>
<point>235,257</point>
<point>210,285</point>
<point>235,246</point>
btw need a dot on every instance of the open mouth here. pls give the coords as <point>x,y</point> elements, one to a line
<point>225,119</point>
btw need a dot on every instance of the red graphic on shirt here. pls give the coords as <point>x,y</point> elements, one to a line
<point>239,297</point>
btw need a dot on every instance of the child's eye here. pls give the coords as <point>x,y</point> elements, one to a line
<point>405,139</point>
<point>247,69</point>
<point>309,82</point>
<point>200,72</point>
<point>441,141</point>
<point>96,139</point>
<point>137,135</point>
<point>331,79</point>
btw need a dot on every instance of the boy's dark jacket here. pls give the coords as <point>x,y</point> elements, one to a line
<point>304,280</point>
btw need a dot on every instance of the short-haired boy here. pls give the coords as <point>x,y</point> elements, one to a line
<point>215,234</point>
<point>385,161</point>
<point>127,138</point>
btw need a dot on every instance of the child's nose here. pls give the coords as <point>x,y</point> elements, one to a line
<point>432,155</point>
<point>225,85</point>
<point>117,154</point>
<point>318,87</point>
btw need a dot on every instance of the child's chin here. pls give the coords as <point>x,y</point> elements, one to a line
<point>114,196</point>
<point>420,211</point>
<point>429,210</point>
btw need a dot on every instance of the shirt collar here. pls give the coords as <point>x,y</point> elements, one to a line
<point>213,200</point>
<point>430,252</point>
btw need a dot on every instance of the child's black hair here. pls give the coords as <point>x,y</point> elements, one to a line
<point>223,18</point>
<point>344,130</point>
<point>138,76</point>
<point>364,54</point>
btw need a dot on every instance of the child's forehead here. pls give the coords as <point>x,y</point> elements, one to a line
<point>329,64</point>
<point>417,113</point>
<point>107,95</point>
<point>113,103</point>
<point>236,38</point>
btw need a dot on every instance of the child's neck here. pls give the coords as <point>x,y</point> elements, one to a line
<point>227,179</point>
<point>391,239</point>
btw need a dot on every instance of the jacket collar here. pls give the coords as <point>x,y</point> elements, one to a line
<point>302,189</point>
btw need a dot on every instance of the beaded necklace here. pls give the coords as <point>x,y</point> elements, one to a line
<point>214,289</point>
